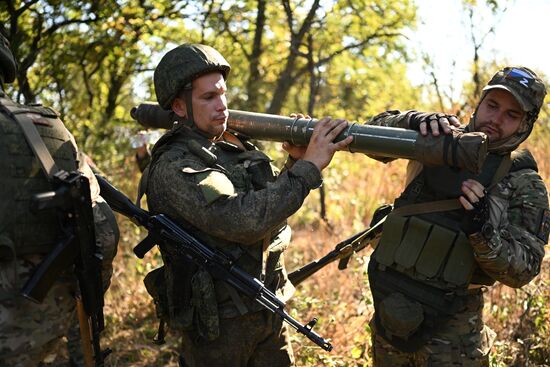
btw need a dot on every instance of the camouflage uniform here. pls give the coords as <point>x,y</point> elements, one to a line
<point>236,205</point>
<point>226,193</point>
<point>30,331</point>
<point>426,315</point>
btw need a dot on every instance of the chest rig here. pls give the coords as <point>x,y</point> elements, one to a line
<point>423,265</point>
<point>23,232</point>
<point>422,237</point>
<point>188,297</point>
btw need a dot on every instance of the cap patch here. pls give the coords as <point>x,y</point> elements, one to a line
<point>521,77</point>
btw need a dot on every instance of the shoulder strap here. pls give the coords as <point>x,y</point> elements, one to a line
<point>35,142</point>
<point>502,170</point>
<point>452,204</point>
<point>429,207</point>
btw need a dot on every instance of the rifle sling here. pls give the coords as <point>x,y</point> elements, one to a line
<point>37,145</point>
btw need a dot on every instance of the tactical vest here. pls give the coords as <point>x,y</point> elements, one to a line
<point>23,232</point>
<point>423,261</point>
<point>192,298</point>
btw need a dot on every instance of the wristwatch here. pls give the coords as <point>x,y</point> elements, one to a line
<point>487,231</point>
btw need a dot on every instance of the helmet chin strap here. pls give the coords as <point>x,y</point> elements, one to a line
<point>188,91</point>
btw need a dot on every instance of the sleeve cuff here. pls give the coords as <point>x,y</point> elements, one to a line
<point>309,172</point>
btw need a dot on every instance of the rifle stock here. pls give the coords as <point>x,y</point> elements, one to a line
<point>344,249</point>
<point>178,243</point>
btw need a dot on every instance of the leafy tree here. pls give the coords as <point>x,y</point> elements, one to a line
<point>86,58</point>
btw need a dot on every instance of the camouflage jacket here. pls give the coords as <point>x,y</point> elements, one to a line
<point>230,198</point>
<point>22,232</point>
<point>518,206</point>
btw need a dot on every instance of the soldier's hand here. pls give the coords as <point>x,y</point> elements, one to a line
<point>432,122</point>
<point>475,202</point>
<point>295,151</point>
<point>321,147</point>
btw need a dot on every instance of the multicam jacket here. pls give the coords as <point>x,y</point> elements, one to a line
<point>230,198</point>
<point>518,213</point>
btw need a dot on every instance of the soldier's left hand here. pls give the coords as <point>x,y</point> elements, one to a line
<point>473,192</point>
<point>321,147</point>
<point>475,202</point>
<point>296,151</point>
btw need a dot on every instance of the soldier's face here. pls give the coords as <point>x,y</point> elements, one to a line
<point>499,115</point>
<point>209,104</point>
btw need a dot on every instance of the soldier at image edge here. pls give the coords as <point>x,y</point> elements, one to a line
<point>454,233</point>
<point>221,189</point>
<point>31,332</point>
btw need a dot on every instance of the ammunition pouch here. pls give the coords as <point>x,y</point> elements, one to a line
<point>419,276</point>
<point>259,169</point>
<point>185,299</point>
<point>426,251</point>
<point>205,305</point>
<point>408,311</point>
<point>156,287</point>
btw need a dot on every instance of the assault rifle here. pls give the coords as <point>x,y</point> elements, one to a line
<point>173,239</point>
<point>72,200</point>
<point>343,250</point>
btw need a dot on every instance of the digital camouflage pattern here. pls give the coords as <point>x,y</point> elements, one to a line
<point>30,332</point>
<point>237,204</point>
<point>269,346</point>
<point>518,206</point>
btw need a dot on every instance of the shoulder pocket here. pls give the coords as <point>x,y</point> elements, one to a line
<point>213,183</point>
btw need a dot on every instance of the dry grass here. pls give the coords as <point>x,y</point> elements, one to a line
<point>340,299</point>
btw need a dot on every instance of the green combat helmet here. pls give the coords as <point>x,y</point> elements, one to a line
<point>528,89</point>
<point>8,66</point>
<point>179,67</point>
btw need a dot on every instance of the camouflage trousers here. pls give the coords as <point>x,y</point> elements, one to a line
<point>30,331</point>
<point>258,339</point>
<point>461,341</point>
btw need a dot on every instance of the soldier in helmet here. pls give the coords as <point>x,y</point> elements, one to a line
<point>454,233</point>
<point>29,331</point>
<point>218,186</point>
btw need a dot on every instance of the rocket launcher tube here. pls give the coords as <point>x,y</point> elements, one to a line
<point>459,149</point>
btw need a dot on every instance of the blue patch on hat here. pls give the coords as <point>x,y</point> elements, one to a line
<point>521,77</point>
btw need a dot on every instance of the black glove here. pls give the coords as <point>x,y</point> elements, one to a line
<point>416,118</point>
<point>477,217</point>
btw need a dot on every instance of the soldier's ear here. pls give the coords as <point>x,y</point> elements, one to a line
<point>179,107</point>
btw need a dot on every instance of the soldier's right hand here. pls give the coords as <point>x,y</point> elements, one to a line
<point>321,147</point>
<point>433,122</point>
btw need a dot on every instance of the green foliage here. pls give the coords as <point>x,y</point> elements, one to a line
<point>93,61</point>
